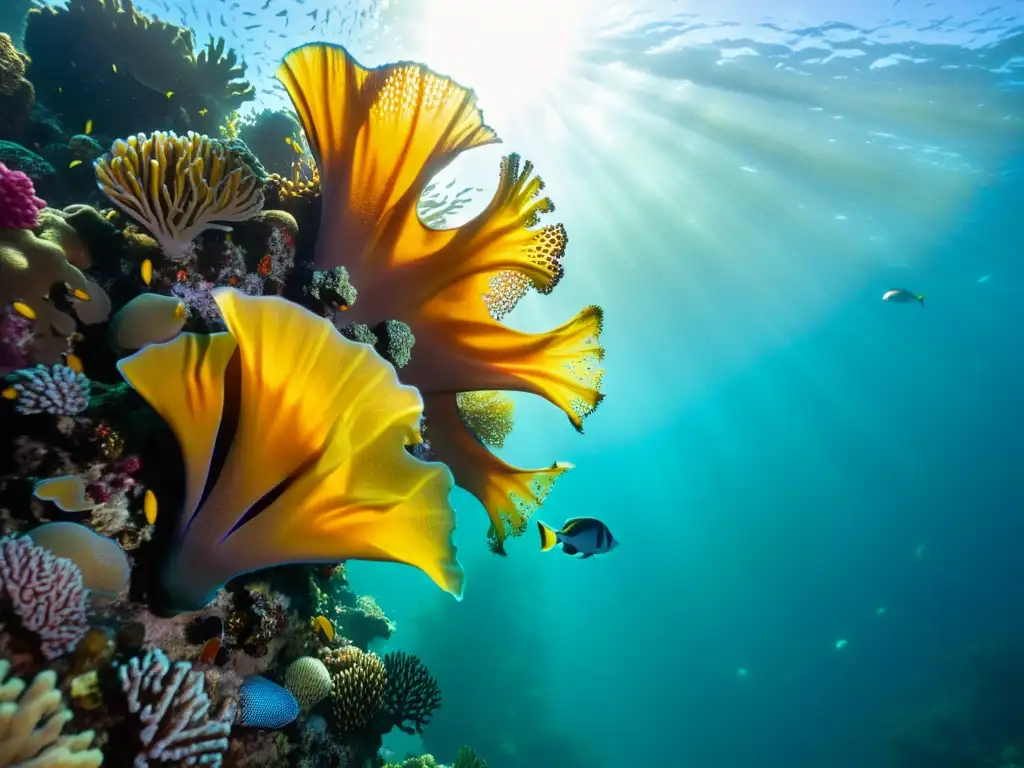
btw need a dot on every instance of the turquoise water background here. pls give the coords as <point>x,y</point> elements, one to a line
<point>780,454</point>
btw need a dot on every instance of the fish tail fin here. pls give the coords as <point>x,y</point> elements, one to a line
<point>920,299</point>
<point>548,537</point>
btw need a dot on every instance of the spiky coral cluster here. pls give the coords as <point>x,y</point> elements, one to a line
<point>45,593</point>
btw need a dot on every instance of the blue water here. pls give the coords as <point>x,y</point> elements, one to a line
<point>781,454</point>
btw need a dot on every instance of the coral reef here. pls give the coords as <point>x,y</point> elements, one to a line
<point>205,416</point>
<point>150,72</point>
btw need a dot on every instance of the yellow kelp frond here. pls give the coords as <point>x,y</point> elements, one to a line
<point>510,495</point>
<point>562,365</point>
<point>178,186</point>
<point>183,380</point>
<point>488,415</point>
<point>314,461</point>
<point>378,135</point>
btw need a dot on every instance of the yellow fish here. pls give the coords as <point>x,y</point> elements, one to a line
<point>88,126</point>
<point>114,67</point>
<point>324,628</point>
<point>24,310</point>
<point>74,362</point>
<point>147,271</point>
<point>169,94</point>
<point>287,139</point>
<point>203,111</point>
<point>75,163</point>
<point>60,89</point>
<point>78,293</point>
<point>10,394</point>
<point>149,507</point>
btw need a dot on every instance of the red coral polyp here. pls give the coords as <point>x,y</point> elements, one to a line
<point>45,592</point>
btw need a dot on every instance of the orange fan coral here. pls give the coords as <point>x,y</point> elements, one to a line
<point>312,429</point>
<point>379,136</point>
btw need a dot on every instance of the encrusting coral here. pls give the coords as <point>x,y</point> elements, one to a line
<point>31,720</point>
<point>322,415</point>
<point>379,136</point>
<point>179,186</point>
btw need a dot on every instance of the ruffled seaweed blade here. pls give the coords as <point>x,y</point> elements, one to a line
<point>309,430</point>
<point>379,136</point>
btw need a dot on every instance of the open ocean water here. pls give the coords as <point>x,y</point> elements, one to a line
<point>819,495</point>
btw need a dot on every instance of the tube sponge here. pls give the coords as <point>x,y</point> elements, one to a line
<point>30,726</point>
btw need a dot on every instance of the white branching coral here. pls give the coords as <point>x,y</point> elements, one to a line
<point>178,186</point>
<point>173,710</point>
<point>31,720</point>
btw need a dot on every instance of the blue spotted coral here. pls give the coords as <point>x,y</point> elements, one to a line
<point>57,390</point>
<point>265,704</point>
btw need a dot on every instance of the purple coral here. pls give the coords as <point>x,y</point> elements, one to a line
<point>19,206</point>
<point>57,390</point>
<point>173,709</point>
<point>45,592</point>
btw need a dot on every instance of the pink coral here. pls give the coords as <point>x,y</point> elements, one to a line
<point>45,592</point>
<point>19,206</point>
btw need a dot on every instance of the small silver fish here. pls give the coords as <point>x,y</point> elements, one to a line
<point>903,296</point>
<point>579,534</point>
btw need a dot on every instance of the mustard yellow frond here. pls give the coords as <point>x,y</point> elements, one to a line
<point>317,469</point>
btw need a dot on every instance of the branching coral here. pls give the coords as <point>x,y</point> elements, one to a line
<point>317,470</point>
<point>178,186</point>
<point>31,720</point>
<point>174,712</point>
<point>379,136</point>
<point>412,694</point>
<point>45,592</point>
